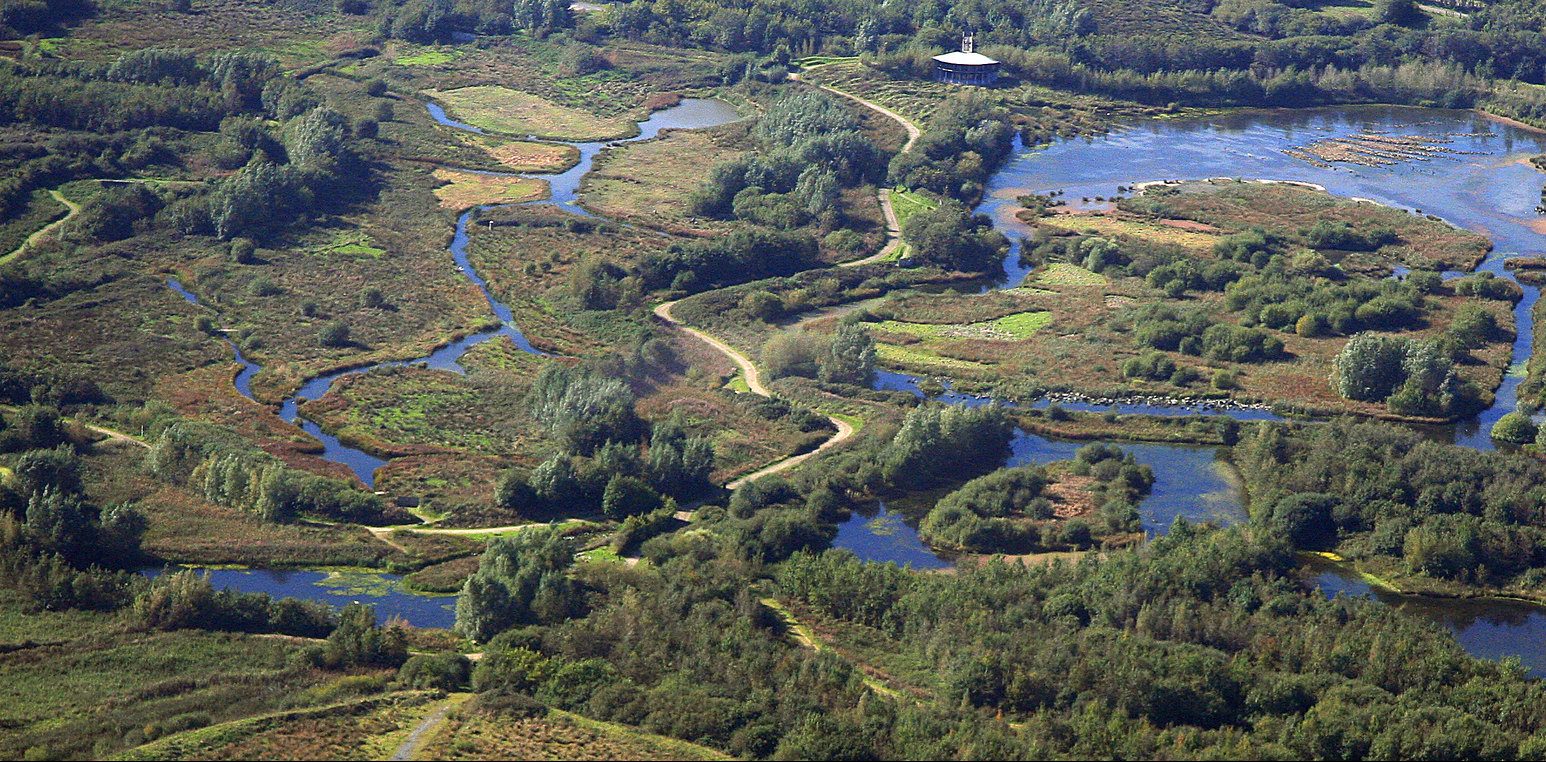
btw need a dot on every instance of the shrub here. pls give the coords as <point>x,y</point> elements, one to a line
<point>1514,427</point>
<point>334,334</point>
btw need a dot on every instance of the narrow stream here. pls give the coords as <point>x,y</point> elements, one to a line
<point>690,113</point>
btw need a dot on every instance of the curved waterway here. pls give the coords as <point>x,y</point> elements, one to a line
<point>690,113</point>
<point>1484,184</point>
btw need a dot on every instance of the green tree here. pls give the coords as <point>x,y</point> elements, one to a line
<point>359,642</point>
<point>1514,427</point>
<point>521,579</point>
<point>1369,367</point>
<point>850,357</point>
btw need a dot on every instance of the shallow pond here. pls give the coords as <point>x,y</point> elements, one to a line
<point>1190,482</point>
<point>338,589</point>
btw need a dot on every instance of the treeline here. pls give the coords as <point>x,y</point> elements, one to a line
<point>225,469</point>
<point>1200,635</point>
<point>747,253</point>
<point>604,462</point>
<point>143,100</point>
<point>1381,493</point>
<point>809,149</point>
<point>58,547</point>
<point>1199,643</point>
<point>964,141</point>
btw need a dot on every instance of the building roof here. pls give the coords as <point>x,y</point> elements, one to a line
<point>965,59</point>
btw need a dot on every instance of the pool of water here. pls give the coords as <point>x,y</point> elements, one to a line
<point>1190,482</point>
<point>337,589</point>
<point>564,187</point>
<point>1489,628</point>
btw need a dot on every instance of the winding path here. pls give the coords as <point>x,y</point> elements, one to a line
<point>913,133</point>
<point>754,383</point>
<point>893,233</point>
<point>73,208</point>
<point>893,228</point>
<point>411,745</point>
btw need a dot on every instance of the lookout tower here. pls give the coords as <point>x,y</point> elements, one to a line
<point>966,66</point>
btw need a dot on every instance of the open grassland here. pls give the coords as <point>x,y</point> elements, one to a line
<point>296,35</point>
<point>511,112</point>
<point>1290,210</point>
<point>186,528</point>
<point>463,190</point>
<point>474,735</point>
<point>648,183</point>
<point>639,79</point>
<point>1126,228</point>
<point>370,728</point>
<point>111,690</point>
<point>529,258</point>
<point>396,244</point>
<point>1064,274</point>
<point>124,333</point>
<point>402,410</point>
<point>907,203</point>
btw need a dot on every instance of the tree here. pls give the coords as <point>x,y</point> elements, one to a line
<point>628,496</point>
<point>359,642</point>
<point>1369,367</point>
<point>793,353</point>
<point>851,356</point>
<point>1400,12</point>
<point>583,408</point>
<point>521,579</point>
<point>1514,427</point>
<point>541,17</point>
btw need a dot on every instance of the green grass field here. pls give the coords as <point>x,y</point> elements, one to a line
<point>907,203</point>
<point>1064,274</point>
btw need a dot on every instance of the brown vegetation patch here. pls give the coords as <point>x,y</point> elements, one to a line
<point>1070,496</point>
<point>464,190</point>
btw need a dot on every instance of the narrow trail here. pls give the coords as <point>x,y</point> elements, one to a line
<point>754,383</point>
<point>913,133</point>
<point>415,739</point>
<point>893,233</point>
<point>893,228</point>
<point>384,534</point>
<point>44,231</point>
<point>116,436</point>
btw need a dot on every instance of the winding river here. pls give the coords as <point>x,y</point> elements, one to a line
<point>385,590</point>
